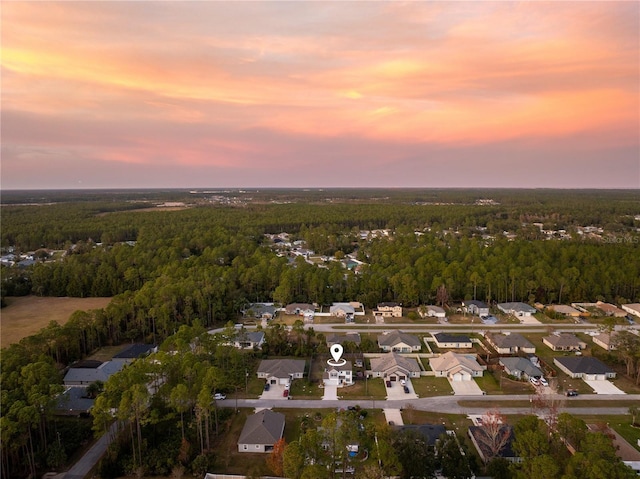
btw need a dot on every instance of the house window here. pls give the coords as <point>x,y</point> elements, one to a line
<point>245,447</point>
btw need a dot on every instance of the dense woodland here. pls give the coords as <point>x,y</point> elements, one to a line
<point>195,268</point>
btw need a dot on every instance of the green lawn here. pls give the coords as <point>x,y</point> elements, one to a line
<point>303,389</point>
<point>620,424</point>
<point>428,386</point>
<point>364,389</point>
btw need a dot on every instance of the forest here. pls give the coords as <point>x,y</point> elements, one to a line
<point>196,267</point>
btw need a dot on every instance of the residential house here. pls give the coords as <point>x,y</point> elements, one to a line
<point>343,338</point>
<point>633,308</point>
<point>564,342</point>
<point>476,307</point>
<point>584,367</point>
<point>565,310</point>
<point>261,431</point>
<point>481,441</point>
<point>338,375</point>
<point>73,402</point>
<point>343,310</point>
<point>281,371</point>
<point>452,341</point>
<point>394,367</point>
<point>610,310</point>
<point>260,311</point>
<point>517,309</point>
<point>520,367</point>
<point>431,432</point>
<point>432,311</point>
<point>389,310</point>
<point>248,340</point>
<point>134,351</point>
<point>457,367</point>
<point>87,372</point>
<point>399,342</point>
<point>301,309</point>
<point>510,343</point>
<point>606,340</point>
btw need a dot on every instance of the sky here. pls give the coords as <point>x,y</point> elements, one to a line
<point>158,94</point>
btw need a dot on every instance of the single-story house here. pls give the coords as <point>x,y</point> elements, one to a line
<point>431,432</point>
<point>446,340</point>
<point>338,375</point>
<point>394,367</point>
<point>260,311</point>
<point>134,351</point>
<point>432,311</point>
<point>520,367</point>
<point>565,310</point>
<point>399,341</point>
<point>564,342</point>
<point>87,372</point>
<point>517,308</point>
<point>281,371</point>
<point>610,310</point>
<point>342,310</point>
<point>476,307</point>
<point>343,338</point>
<point>476,434</point>
<point>510,343</point>
<point>584,367</point>
<point>632,308</point>
<point>457,367</point>
<point>300,309</point>
<point>605,340</point>
<point>73,402</point>
<point>389,310</point>
<point>248,340</point>
<point>261,431</point>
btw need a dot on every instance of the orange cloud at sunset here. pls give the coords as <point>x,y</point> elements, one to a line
<point>246,86</point>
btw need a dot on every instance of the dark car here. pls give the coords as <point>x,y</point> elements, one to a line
<point>285,393</point>
<point>388,384</point>
<point>571,393</point>
<point>406,389</point>
<point>267,386</point>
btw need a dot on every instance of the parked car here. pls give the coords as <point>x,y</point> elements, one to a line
<point>403,382</point>
<point>406,389</point>
<point>285,393</point>
<point>267,386</point>
<point>219,396</point>
<point>544,382</point>
<point>571,393</point>
<point>534,381</point>
<point>388,384</point>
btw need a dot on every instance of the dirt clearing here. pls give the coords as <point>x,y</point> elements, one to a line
<point>26,315</point>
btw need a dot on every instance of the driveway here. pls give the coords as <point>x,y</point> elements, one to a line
<point>393,416</point>
<point>275,392</point>
<point>396,391</point>
<point>528,320</point>
<point>604,387</point>
<point>330,393</point>
<point>466,388</point>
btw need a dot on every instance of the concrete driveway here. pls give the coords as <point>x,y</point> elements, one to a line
<point>396,391</point>
<point>330,393</point>
<point>604,387</point>
<point>466,388</point>
<point>275,392</point>
<point>393,416</point>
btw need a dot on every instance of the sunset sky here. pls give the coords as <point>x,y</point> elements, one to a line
<point>320,94</point>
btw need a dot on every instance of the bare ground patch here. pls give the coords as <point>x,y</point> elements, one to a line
<point>26,315</point>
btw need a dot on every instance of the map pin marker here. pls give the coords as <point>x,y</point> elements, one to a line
<point>336,352</point>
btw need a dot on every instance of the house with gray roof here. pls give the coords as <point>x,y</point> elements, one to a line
<point>520,367</point>
<point>398,341</point>
<point>564,342</point>
<point>340,376</point>
<point>248,340</point>
<point>73,402</point>
<point>606,340</point>
<point>452,341</point>
<point>476,307</point>
<point>281,371</point>
<point>260,311</point>
<point>83,376</point>
<point>394,367</point>
<point>261,431</point>
<point>517,309</point>
<point>510,343</point>
<point>343,338</point>
<point>134,351</point>
<point>584,367</point>
<point>432,311</point>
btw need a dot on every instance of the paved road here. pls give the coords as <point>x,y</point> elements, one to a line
<point>81,468</point>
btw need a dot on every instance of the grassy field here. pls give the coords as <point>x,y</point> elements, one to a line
<point>26,315</point>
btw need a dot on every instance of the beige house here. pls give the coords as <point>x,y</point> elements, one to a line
<point>564,342</point>
<point>452,341</point>
<point>457,367</point>
<point>565,310</point>
<point>388,310</point>
<point>633,308</point>
<point>394,367</point>
<point>399,342</point>
<point>605,340</point>
<point>611,310</point>
<point>510,343</point>
<point>281,371</point>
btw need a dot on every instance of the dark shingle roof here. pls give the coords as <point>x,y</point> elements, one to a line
<point>451,338</point>
<point>264,427</point>
<point>584,364</point>
<point>134,351</point>
<point>431,432</point>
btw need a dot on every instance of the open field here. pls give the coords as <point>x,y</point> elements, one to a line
<point>26,315</point>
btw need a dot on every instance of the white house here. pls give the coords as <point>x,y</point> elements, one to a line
<point>261,431</point>
<point>517,309</point>
<point>281,371</point>
<point>510,343</point>
<point>338,375</point>
<point>584,367</point>
<point>394,367</point>
<point>432,311</point>
<point>399,341</point>
<point>564,342</point>
<point>476,307</point>
<point>633,308</point>
<point>452,341</point>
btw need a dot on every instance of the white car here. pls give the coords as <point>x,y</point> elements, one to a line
<point>403,382</point>
<point>219,396</point>
<point>534,381</point>
<point>544,382</point>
